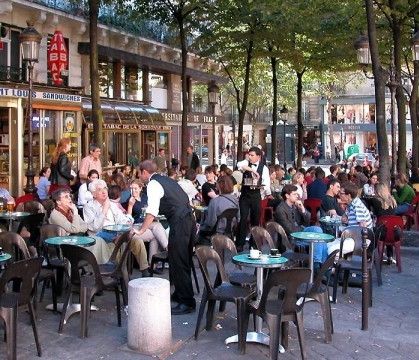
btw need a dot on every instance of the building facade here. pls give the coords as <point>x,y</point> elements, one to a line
<point>140,87</point>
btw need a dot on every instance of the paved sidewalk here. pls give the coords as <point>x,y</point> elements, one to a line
<point>392,334</point>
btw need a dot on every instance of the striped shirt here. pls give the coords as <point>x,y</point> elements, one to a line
<point>357,212</point>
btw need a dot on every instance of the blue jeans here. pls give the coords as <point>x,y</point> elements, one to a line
<point>320,248</point>
<point>402,208</point>
<point>108,237</point>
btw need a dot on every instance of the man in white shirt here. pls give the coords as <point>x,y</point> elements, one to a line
<point>250,198</point>
<point>224,157</point>
<point>187,184</point>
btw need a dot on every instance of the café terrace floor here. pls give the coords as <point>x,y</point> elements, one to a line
<point>392,332</point>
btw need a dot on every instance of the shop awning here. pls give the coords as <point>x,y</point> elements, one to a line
<point>123,112</point>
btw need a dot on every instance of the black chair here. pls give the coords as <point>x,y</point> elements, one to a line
<point>221,243</point>
<point>224,292</point>
<point>281,310</point>
<point>117,268</point>
<point>277,232</point>
<point>261,237</point>
<point>14,244</point>
<point>48,205</point>
<point>352,262</point>
<point>51,253</point>
<point>163,257</point>
<point>319,291</point>
<point>32,223</point>
<point>228,215</point>
<point>86,283</point>
<point>22,277</point>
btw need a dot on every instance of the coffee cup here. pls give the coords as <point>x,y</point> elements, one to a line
<point>327,218</point>
<point>274,252</point>
<point>255,254</point>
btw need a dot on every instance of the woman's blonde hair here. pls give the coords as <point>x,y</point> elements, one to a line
<point>59,149</point>
<point>296,176</point>
<point>382,192</point>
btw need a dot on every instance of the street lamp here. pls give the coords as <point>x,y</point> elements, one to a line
<point>213,91</point>
<point>30,40</point>
<point>284,118</point>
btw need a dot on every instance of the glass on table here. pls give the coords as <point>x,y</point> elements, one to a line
<point>10,205</point>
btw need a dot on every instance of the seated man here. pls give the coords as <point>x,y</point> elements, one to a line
<point>100,212</point>
<point>65,214</point>
<point>293,217</point>
<point>330,205</point>
<point>356,214</point>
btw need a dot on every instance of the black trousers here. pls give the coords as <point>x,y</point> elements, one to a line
<point>248,203</point>
<point>181,242</point>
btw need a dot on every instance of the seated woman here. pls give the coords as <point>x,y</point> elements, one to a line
<point>84,195</point>
<point>156,234</point>
<point>118,179</point>
<point>43,183</point>
<point>369,187</point>
<point>225,200</point>
<point>384,204</point>
<point>403,194</point>
<point>65,214</point>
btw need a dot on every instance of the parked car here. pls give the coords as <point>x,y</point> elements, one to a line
<point>361,158</point>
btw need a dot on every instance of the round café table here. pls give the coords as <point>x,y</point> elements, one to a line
<point>5,258</point>
<point>117,229</point>
<point>12,216</point>
<point>312,238</point>
<point>84,241</point>
<point>334,223</point>
<point>264,262</point>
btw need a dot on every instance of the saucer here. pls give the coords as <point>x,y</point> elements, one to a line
<point>258,258</point>
<point>275,256</point>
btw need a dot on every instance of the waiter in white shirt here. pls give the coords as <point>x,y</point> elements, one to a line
<point>166,197</point>
<point>250,199</point>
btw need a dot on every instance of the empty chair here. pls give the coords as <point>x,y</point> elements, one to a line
<point>22,276</point>
<point>353,261</point>
<point>261,237</point>
<point>117,268</point>
<point>391,222</point>
<point>163,257</point>
<point>31,206</point>
<point>281,309</point>
<point>32,223</point>
<point>14,244</point>
<point>221,243</point>
<point>313,205</point>
<point>320,292</point>
<point>284,246</point>
<point>266,212</point>
<point>412,214</point>
<point>224,292</point>
<point>87,284</point>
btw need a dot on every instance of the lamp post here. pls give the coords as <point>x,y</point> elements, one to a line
<point>362,46</point>
<point>284,118</point>
<point>30,41</point>
<point>213,91</point>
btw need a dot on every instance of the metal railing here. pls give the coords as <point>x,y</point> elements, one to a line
<point>10,73</point>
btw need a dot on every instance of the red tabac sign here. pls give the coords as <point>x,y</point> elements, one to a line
<point>57,57</point>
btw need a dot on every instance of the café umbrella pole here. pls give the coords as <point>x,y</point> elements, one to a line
<point>365,281</point>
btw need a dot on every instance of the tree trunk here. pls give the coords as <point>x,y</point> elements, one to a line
<point>330,127</point>
<point>242,104</point>
<point>274,63</point>
<point>299,118</point>
<point>380,76</point>
<point>413,107</point>
<point>94,75</point>
<point>185,106</point>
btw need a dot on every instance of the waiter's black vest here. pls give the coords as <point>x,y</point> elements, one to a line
<point>175,202</point>
<point>248,175</point>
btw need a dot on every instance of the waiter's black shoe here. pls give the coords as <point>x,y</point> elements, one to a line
<point>157,271</point>
<point>145,273</point>
<point>182,309</point>
<point>239,248</point>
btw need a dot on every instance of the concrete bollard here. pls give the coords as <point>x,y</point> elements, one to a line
<point>149,316</point>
